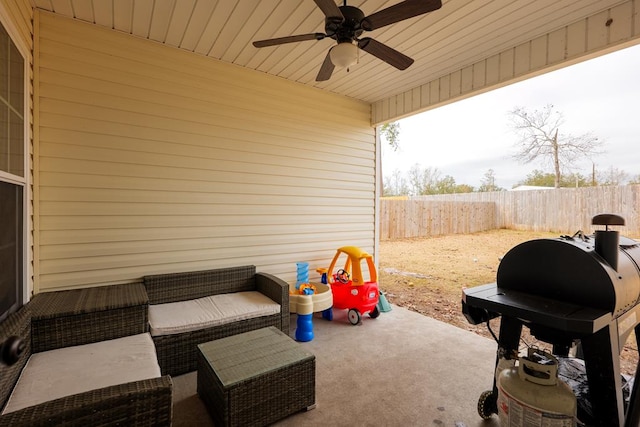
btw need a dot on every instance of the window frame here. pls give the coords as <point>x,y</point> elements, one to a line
<point>22,181</point>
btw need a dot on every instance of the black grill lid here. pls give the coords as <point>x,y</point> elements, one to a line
<point>569,270</point>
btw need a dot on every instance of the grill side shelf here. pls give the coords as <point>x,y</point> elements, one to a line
<point>554,314</point>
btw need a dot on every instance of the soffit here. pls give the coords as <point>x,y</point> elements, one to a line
<point>461,33</point>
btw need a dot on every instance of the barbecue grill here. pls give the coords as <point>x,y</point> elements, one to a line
<point>579,291</point>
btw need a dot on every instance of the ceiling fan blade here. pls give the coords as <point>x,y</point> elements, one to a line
<point>385,53</point>
<point>329,8</point>
<point>399,12</point>
<point>289,39</point>
<point>326,69</point>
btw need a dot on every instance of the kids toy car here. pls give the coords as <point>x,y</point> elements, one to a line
<point>350,289</point>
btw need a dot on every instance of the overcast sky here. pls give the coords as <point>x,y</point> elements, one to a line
<point>469,137</point>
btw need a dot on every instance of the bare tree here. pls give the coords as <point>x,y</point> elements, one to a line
<point>395,185</point>
<point>613,176</point>
<point>488,183</point>
<point>540,139</point>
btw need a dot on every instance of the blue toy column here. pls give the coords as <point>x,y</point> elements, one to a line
<point>304,329</point>
<point>302,269</point>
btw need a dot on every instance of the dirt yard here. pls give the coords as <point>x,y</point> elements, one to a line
<point>428,275</point>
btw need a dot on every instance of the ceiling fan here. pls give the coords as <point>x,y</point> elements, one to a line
<point>345,24</point>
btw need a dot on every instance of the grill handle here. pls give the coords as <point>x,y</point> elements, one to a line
<point>607,220</point>
<point>607,241</point>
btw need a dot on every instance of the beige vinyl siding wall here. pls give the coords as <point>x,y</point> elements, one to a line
<point>157,160</point>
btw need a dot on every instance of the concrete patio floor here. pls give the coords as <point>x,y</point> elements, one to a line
<point>400,369</point>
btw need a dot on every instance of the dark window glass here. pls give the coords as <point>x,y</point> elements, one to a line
<point>16,79</point>
<point>12,153</point>
<point>16,144</point>
<point>5,41</point>
<point>12,160</point>
<point>10,248</point>
<point>4,137</point>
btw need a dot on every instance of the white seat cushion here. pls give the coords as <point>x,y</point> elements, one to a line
<point>71,370</point>
<point>215,310</point>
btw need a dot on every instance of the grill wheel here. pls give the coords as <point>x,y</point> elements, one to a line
<point>487,405</point>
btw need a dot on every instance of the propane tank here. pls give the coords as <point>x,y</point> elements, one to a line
<point>532,395</point>
<point>506,359</point>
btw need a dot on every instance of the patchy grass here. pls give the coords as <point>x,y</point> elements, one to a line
<point>428,275</point>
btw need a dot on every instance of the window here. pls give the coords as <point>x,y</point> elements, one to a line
<point>11,277</point>
<point>12,175</point>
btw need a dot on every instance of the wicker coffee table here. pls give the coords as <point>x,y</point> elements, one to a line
<point>255,378</point>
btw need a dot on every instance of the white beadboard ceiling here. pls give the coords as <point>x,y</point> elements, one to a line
<point>461,33</point>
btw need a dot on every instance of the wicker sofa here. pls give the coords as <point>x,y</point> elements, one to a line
<point>177,352</point>
<point>62,321</point>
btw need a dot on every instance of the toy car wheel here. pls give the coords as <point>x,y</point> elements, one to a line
<point>487,405</point>
<point>374,313</point>
<point>354,316</point>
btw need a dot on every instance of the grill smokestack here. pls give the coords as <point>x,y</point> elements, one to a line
<point>607,241</point>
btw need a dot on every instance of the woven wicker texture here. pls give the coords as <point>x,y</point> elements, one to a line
<point>83,316</point>
<point>88,300</point>
<point>278,290</point>
<point>18,324</point>
<point>172,287</point>
<point>177,353</point>
<point>86,315</point>
<point>255,378</point>
<point>140,403</point>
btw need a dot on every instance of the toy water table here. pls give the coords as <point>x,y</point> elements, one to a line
<point>320,299</point>
<point>308,299</point>
<point>350,290</point>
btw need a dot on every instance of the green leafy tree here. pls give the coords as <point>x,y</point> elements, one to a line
<point>575,179</point>
<point>540,139</point>
<point>446,185</point>
<point>538,178</point>
<point>391,133</point>
<point>488,183</point>
<point>423,181</point>
<point>464,188</point>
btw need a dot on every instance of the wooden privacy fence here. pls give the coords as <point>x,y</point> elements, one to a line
<point>562,210</point>
<point>401,219</point>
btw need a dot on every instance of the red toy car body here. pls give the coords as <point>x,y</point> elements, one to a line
<point>349,287</point>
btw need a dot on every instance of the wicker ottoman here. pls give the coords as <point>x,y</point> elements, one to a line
<point>255,378</point>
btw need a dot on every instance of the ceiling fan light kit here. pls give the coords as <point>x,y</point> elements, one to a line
<point>345,24</point>
<point>344,54</point>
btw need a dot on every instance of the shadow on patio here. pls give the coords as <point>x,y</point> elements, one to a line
<point>400,369</point>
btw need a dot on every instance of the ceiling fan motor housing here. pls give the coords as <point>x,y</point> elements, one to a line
<point>345,30</point>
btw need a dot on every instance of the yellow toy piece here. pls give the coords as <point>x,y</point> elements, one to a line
<point>307,289</point>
